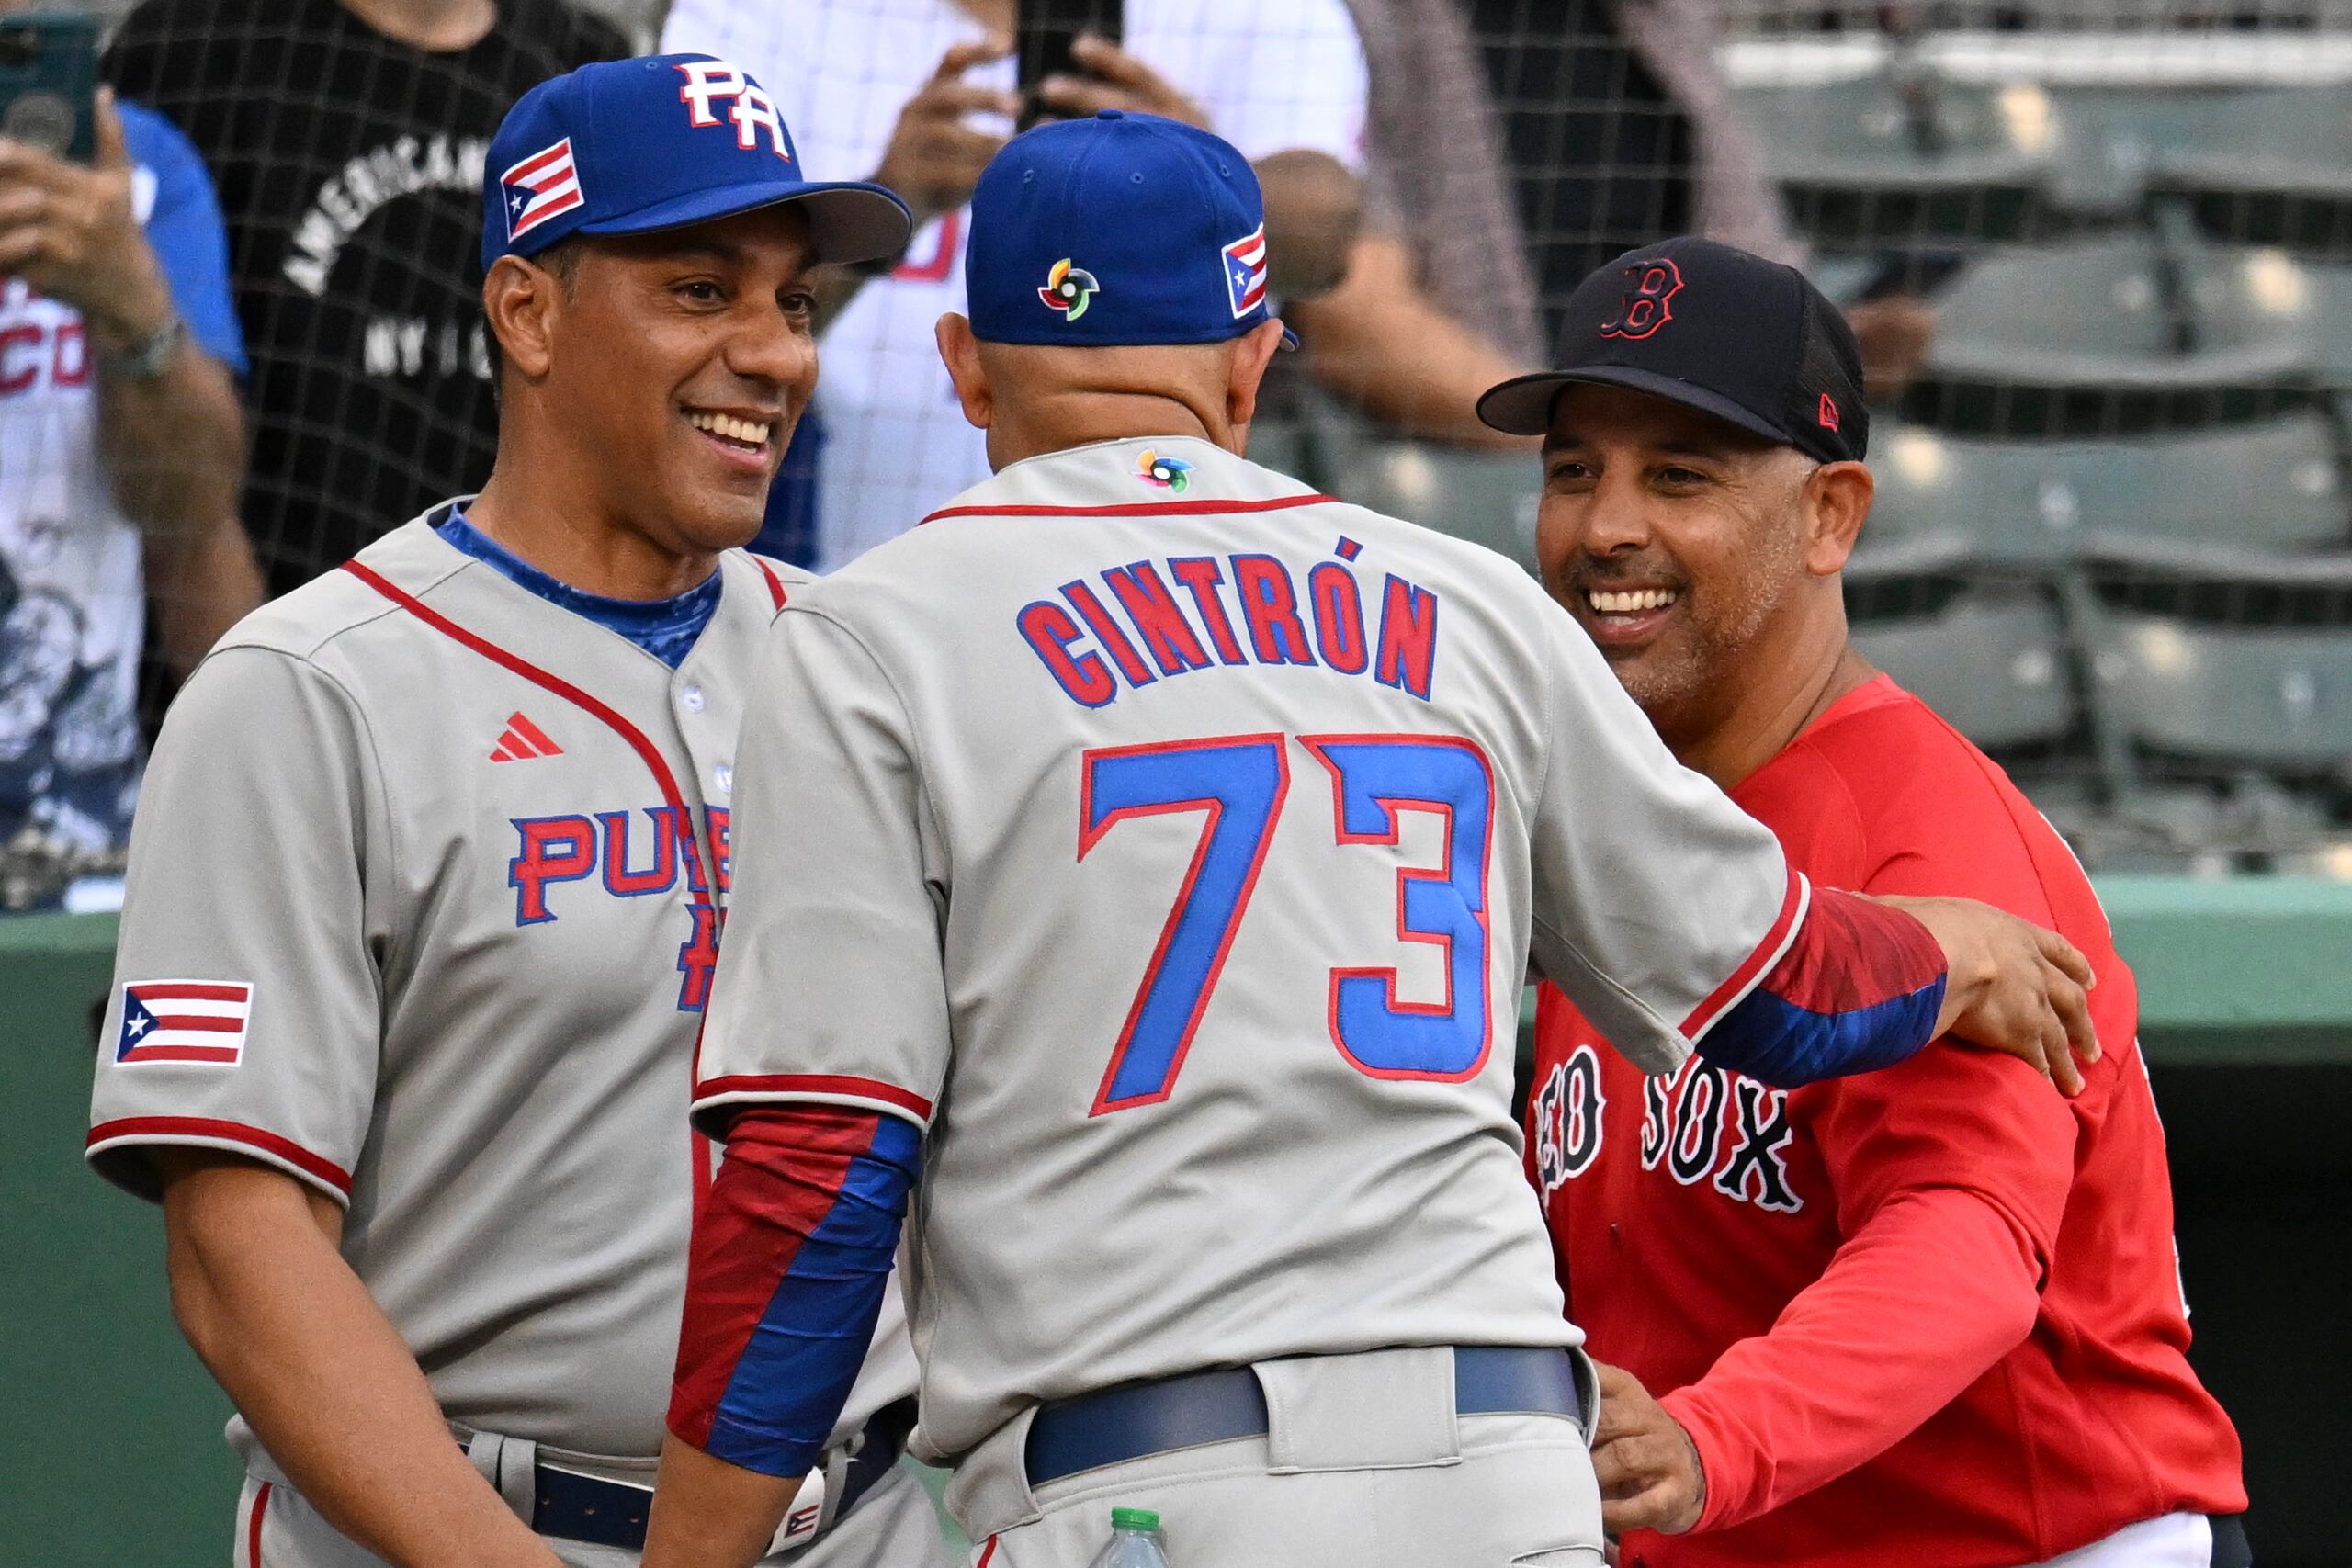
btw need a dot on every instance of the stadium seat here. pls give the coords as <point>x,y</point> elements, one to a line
<point>1487,498</point>
<point>1881,158</point>
<point>1992,662</point>
<point>2274,486</point>
<point>2108,141</point>
<point>2270,167</point>
<point>2118,333</point>
<point>2331,321</point>
<point>2228,698</point>
<point>1280,444</point>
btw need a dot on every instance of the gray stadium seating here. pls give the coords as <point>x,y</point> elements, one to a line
<point>2274,486</point>
<point>2272,167</point>
<point>1882,158</point>
<point>2108,143</point>
<point>2121,311</point>
<point>1487,498</point>
<point>1992,662</point>
<point>2233,698</point>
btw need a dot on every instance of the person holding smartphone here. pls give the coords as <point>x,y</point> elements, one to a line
<point>122,443</point>
<point>926,100</point>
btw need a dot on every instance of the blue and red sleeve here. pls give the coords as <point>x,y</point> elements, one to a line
<point>1858,988</point>
<point>792,1251</point>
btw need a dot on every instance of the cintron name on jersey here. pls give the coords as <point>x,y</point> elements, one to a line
<point>1135,628</point>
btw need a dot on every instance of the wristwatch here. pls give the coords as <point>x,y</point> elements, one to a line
<point>147,357</point>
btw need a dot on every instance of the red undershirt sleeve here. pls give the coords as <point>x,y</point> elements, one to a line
<point>1935,1287</point>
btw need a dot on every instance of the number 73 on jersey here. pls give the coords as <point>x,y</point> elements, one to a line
<point>1239,784</point>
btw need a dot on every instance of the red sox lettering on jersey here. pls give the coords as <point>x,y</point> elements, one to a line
<point>1703,1123</point>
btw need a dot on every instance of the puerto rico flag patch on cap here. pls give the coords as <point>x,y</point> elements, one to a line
<point>185,1020</point>
<point>1245,271</point>
<point>541,186</point>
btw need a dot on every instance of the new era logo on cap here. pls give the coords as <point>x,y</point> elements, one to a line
<point>196,1021</point>
<point>1245,271</point>
<point>545,184</point>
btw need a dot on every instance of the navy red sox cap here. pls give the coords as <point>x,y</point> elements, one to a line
<point>1713,327</point>
<point>634,146</point>
<point>1118,229</point>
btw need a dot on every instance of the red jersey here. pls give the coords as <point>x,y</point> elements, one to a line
<point>1927,1316</point>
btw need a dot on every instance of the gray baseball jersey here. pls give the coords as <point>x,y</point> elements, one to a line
<point>1170,843</point>
<point>424,898</point>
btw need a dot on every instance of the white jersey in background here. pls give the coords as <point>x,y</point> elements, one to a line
<point>1272,75</point>
<point>1169,841</point>
<point>72,591</point>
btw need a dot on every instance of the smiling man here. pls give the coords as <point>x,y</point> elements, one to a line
<point>426,891</point>
<point>1926,1316</point>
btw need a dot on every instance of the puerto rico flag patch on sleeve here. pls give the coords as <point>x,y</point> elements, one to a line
<point>185,1020</point>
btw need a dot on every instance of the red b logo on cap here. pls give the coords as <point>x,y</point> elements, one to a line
<point>1651,304</point>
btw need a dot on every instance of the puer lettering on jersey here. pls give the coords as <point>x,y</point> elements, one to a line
<point>1244,609</point>
<point>1702,1123</point>
<point>575,846</point>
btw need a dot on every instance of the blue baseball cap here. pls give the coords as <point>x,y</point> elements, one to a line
<point>1122,229</point>
<point>633,146</point>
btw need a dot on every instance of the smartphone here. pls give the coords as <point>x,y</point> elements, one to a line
<point>1048,31</point>
<point>49,82</point>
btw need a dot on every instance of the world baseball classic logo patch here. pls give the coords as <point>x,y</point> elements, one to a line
<point>1069,290</point>
<point>185,1020</point>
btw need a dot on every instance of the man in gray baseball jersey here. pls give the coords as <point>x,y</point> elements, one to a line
<point>1147,851</point>
<point>426,888</point>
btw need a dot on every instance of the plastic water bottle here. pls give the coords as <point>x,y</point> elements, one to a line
<point>1135,1542</point>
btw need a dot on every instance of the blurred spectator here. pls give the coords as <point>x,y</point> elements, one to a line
<point>1622,131</point>
<point>919,94</point>
<point>119,445</point>
<point>1438,180</point>
<point>347,143</point>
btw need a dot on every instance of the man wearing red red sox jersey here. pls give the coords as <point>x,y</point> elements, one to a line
<point>1930,1316</point>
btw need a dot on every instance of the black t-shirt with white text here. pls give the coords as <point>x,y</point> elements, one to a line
<point>349,168</point>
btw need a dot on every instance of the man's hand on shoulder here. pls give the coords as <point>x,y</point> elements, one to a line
<point>1647,1466</point>
<point>2012,987</point>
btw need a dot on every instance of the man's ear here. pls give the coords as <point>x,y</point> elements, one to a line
<point>960,351</point>
<point>1838,499</point>
<point>521,299</point>
<point>1252,352</point>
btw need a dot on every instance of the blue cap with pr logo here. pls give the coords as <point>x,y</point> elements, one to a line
<point>632,146</point>
<point>1122,229</point>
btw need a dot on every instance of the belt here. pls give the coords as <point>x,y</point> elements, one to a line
<point>572,1507</point>
<point>1139,1419</point>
